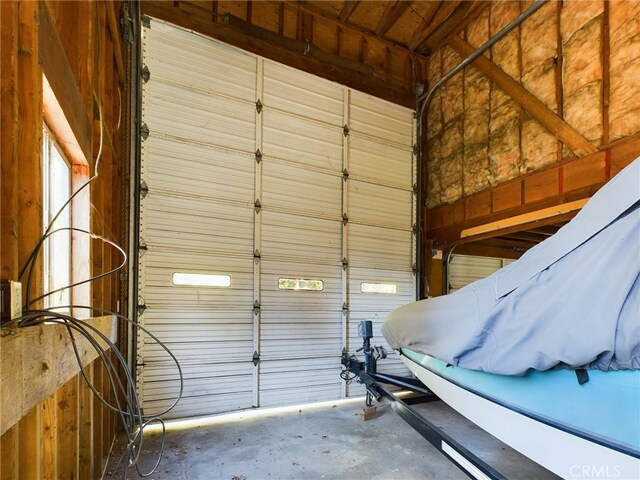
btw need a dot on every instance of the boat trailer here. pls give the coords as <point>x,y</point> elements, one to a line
<point>366,373</point>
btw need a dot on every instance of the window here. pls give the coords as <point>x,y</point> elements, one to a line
<point>201,280</point>
<point>56,173</point>
<point>386,288</point>
<point>300,284</point>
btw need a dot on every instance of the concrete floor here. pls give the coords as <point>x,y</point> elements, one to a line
<point>327,442</point>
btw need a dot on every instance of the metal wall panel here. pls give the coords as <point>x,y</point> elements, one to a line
<point>465,269</point>
<point>251,174</point>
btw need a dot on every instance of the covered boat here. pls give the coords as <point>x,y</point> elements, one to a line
<point>504,351</point>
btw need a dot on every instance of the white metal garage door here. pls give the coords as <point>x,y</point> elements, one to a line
<point>465,269</point>
<point>291,191</point>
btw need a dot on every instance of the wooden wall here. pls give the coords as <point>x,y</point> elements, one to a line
<point>548,115</point>
<point>78,46</point>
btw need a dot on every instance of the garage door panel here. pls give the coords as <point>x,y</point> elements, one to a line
<point>300,238</point>
<point>297,92</point>
<point>377,247</point>
<point>203,405</point>
<point>322,382</point>
<point>402,281</point>
<point>178,260</point>
<point>301,191</point>
<point>301,317</point>
<point>163,390</point>
<point>379,163</point>
<point>212,120</point>
<point>302,141</point>
<point>192,170</point>
<point>274,298</point>
<point>213,66</point>
<point>193,224</point>
<point>221,352</point>
<point>373,204</point>
<point>386,121</point>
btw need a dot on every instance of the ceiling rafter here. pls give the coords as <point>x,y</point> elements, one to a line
<point>392,12</point>
<point>310,8</point>
<point>454,24</point>
<point>428,27</point>
<point>347,9</point>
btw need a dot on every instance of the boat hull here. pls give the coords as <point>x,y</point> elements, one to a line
<point>569,453</point>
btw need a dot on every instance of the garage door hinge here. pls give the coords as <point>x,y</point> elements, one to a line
<point>146,21</point>
<point>258,156</point>
<point>345,219</point>
<point>414,269</point>
<point>345,307</point>
<point>345,263</point>
<point>146,74</point>
<point>415,188</point>
<point>345,174</point>
<point>415,148</point>
<point>144,131</point>
<point>144,189</point>
<point>143,246</point>
<point>258,106</point>
<point>256,253</point>
<point>345,130</point>
<point>127,26</point>
<point>141,308</point>
<point>258,206</point>
<point>256,307</point>
<point>414,229</point>
<point>255,359</point>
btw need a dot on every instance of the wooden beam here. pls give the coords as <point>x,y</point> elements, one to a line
<point>67,429</point>
<point>393,10</point>
<point>421,35</point>
<point>29,140</point>
<point>115,36</point>
<point>484,250</point>
<point>455,23</point>
<point>56,67</point>
<point>525,218</point>
<point>347,9</point>
<point>9,165</point>
<point>45,357</point>
<point>538,110</point>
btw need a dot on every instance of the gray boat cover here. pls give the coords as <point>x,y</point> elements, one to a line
<point>572,301</point>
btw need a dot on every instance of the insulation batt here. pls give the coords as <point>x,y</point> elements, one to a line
<point>624,105</point>
<point>581,27</point>
<point>539,48</point>
<point>550,309</point>
<point>504,142</point>
<point>477,172</point>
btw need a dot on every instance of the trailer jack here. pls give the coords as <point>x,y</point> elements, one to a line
<point>366,373</point>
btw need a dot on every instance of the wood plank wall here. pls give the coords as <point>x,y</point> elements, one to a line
<point>69,434</point>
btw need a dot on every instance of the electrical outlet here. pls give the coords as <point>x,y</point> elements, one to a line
<point>11,300</point>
